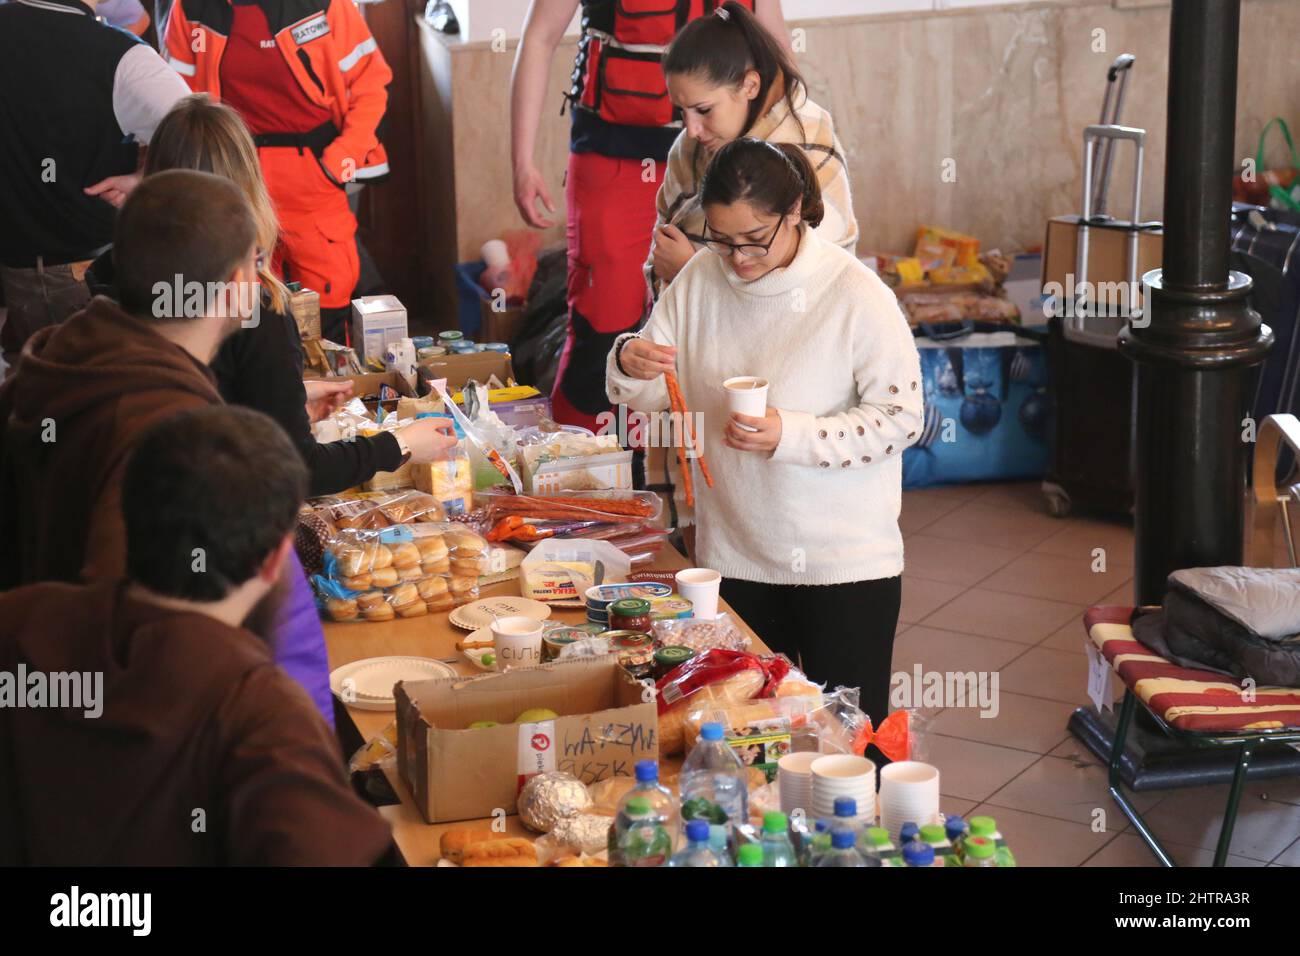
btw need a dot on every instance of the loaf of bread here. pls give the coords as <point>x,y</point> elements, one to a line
<point>454,841</point>
<point>500,851</point>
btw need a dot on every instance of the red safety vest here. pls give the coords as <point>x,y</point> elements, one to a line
<point>618,74</point>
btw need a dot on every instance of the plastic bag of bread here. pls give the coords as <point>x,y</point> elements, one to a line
<point>717,677</point>
<point>405,570</point>
<point>749,718</point>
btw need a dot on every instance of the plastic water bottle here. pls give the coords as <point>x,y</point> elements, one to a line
<point>846,813</point>
<point>842,852</point>
<point>981,851</point>
<point>817,843</point>
<point>751,854</point>
<point>916,853</point>
<point>643,841</point>
<point>777,848</point>
<point>954,829</point>
<point>662,808</point>
<point>697,851</point>
<point>714,785</point>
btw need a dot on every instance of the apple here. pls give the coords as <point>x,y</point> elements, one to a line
<point>481,724</point>
<point>534,714</point>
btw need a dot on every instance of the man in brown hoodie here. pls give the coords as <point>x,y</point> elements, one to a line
<point>86,389</point>
<point>172,738</point>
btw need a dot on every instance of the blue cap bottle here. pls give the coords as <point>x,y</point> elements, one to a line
<point>711,731</point>
<point>846,807</point>
<point>697,831</point>
<point>908,833</point>
<point>917,853</point>
<point>647,771</point>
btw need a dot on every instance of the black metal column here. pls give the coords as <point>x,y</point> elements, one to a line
<point>1198,349</point>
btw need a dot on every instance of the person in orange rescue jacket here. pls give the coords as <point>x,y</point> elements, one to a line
<point>310,82</point>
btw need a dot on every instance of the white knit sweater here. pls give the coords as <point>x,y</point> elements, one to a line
<point>844,372</point>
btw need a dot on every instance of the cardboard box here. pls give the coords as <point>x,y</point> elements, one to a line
<point>605,727</point>
<point>1108,258</point>
<point>479,366</point>
<point>377,322</point>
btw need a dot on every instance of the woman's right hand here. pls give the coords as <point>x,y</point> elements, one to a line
<point>529,186</point>
<point>429,438</point>
<point>647,360</point>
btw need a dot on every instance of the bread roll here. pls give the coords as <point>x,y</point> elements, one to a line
<point>383,557</point>
<point>432,547</point>
<point>404,594</point>
<point>438,566</point>
<point>370,599</point>
<point>431,588</point>
<point>481,861</point>
<point>383,577</point>
<point>405,555</point>
<point>413,573</point>
<point>342,609</point>
<point>465,543</point>
<point>453,842</point>
<point>469,567</point>
<point>414,609</point>
<point>361,582</point>
<point>501,848</point>
<point>380,612</point>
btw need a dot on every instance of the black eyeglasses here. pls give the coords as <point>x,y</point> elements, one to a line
<point>751,249</point>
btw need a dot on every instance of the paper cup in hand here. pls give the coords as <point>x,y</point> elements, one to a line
<point>700,587</point>
<point>518,641</point>
<point>748,396</point>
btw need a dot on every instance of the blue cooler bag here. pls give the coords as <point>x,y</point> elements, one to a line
<point>986,406</point>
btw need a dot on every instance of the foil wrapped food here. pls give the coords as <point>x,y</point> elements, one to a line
<point>583,832</point>
<point>549,798</point>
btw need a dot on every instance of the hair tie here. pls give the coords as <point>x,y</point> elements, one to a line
<point>723,12</point>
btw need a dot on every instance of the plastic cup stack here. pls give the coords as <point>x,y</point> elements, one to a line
<point>794,782</point>
<point>844,775</point>
<point>909,793</point>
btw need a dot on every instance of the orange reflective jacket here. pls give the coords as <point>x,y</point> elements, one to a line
<point>329,50</point>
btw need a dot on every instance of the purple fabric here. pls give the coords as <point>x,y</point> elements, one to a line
<point>300,641</point>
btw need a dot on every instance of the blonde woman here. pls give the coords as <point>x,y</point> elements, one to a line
<point>261,367</point>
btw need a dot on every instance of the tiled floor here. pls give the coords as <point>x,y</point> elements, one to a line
<point>994,584</point>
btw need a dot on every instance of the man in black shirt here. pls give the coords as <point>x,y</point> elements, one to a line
<point>77,99</point>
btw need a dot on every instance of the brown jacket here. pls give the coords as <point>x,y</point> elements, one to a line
<point>205,752</point>
<point>83,393</point>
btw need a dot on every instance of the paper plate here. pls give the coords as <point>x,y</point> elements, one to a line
<point>476,614</point>
<point>372,679</point>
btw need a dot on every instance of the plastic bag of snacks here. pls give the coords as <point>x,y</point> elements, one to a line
<point>405,570</point>
<point>701,635</point>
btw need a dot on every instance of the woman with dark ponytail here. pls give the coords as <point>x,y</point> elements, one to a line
<point>802,520</point>
<point>730,78</point>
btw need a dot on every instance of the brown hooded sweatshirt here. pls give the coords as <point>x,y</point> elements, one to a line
<point>83,393</point>
<point>204,752</point>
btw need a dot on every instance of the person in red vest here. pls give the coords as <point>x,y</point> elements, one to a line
<point>623,126</point>
<point>310,82</point>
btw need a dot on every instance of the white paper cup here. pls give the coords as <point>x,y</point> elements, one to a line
<point>700,587</point>
<point>794,781</point>
<point>747,395</point>
<point>909,793</point>
<point>518,641</point>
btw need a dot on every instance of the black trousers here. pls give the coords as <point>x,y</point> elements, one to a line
<point>840,634</point>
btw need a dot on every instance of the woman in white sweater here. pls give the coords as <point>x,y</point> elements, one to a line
<point>803,519</point>
<point>731,78</point>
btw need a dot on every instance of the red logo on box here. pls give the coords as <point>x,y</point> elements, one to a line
<point>541,742</point>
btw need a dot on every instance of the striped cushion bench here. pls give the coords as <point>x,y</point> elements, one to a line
<point>1191,700</point>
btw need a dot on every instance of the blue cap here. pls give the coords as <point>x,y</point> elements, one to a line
<point>918,854</point>
<point>821,826</point>
<point>647,771</point>
<point>711,731</point>
<point>846,807</point>
<point>697,831</point>
<point>954,827</point>
<point>844,839</point>
<point>908,833</point>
